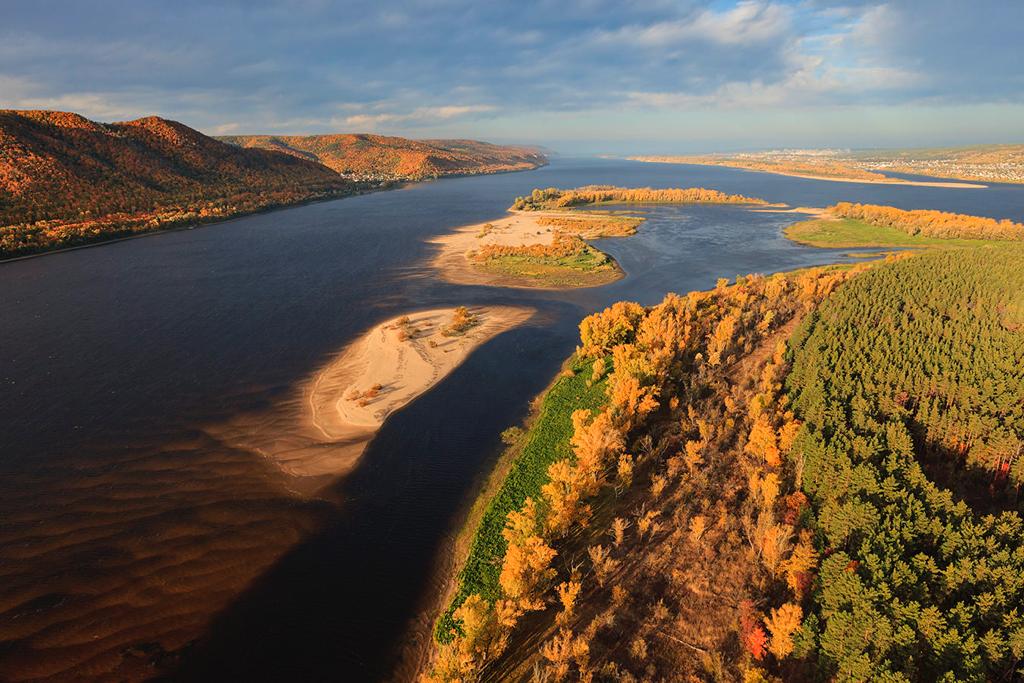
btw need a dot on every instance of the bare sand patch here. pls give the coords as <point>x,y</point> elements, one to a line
<point>323,430</point>
<point>456,248</point>
<point>807,210</point>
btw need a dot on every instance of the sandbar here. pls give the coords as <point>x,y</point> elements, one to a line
<point>324,428</point>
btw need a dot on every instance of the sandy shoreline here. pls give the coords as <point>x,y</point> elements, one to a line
<point>518,228</point>
<point>808,176</point>
<point>324,429</point>
<point>806,210</point>
<point>892,181</point>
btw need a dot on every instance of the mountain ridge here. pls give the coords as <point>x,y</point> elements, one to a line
<point>361,155</point>
<point>66,180</point>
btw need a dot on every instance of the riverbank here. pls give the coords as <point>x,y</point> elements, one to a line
<point>458,259</point>
<point>520,473</point>
<point>810,176</point>
<point>888,181</point>
<point>194,222</point>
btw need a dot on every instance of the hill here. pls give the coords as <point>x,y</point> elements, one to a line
<point>66,180</point>
<point>379,157</point>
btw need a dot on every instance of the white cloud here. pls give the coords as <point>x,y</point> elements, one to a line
<point>225,128</point>
<point>418,115</point>
<point>749,22</point>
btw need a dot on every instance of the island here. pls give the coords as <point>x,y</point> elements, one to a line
<point>543,242</point>
<point>849,224</point>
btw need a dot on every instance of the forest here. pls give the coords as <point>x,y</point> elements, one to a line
<point>653,478</point>
<point>908,382</point>
<point>554,198</point>
<point>928,223</point>
<point>811,476</point>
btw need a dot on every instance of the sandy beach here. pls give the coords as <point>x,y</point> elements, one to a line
<point>326,426</point>
<point>455,248</point>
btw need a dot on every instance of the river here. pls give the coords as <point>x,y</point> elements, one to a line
<point>137,541</point>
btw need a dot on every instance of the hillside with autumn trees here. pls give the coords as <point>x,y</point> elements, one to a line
<point>648,524</point>
<point>804,477</point>
<point>366,156</point>
<point>66,180</point>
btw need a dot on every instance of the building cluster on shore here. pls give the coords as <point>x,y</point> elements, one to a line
<point>1005,172</point>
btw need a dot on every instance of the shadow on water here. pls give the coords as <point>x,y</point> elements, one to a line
<point>341,601</point>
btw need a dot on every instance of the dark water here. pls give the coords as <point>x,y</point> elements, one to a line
<point>136,542</point>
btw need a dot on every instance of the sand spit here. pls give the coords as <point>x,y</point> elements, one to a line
<point>811,176</point>
<point>323,430</point>
<point>807,210</point>
<point>890,181</point>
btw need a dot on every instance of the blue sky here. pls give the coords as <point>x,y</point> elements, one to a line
<point>581,76</point>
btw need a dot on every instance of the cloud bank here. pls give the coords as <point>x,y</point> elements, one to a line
<point>517,70</point>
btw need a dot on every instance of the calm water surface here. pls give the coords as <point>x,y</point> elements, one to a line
<point>135,541</point>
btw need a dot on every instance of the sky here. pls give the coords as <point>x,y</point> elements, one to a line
<point>578,76</point>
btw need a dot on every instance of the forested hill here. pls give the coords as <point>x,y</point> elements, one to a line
<point>66,180</point>
<point>382,157</point>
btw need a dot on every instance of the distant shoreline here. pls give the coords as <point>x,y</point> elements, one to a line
<point>834,179</point>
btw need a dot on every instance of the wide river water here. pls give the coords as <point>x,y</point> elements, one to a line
<point>137,540</point>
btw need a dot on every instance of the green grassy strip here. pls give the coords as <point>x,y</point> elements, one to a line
<point>587,259</point>
<point>589,268</point>
<point>849,232</point>
<point>547,441</point>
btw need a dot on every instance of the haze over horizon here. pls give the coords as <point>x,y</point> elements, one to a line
<point>587,76</point>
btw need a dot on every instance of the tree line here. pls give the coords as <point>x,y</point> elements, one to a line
<point>930,223</point>
<point>554,198</point>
